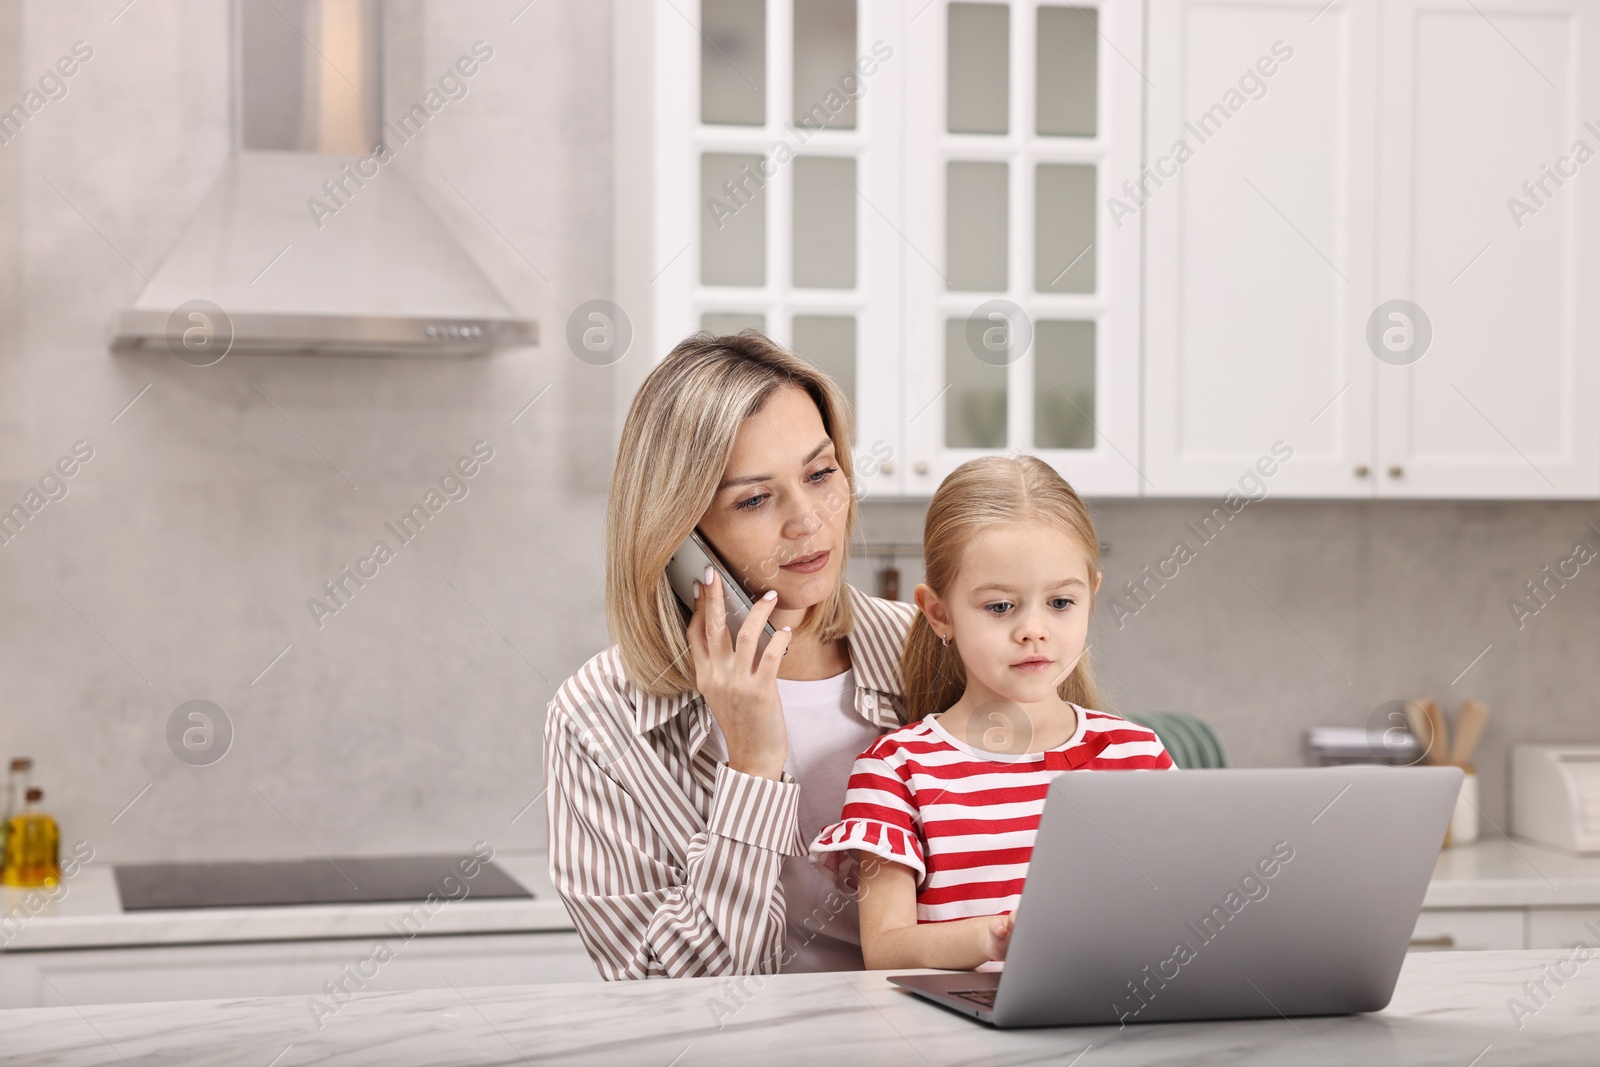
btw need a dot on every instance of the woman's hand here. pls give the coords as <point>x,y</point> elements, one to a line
<point>740,689</point>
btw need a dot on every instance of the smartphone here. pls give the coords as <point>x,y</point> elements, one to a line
<point>688,565</point>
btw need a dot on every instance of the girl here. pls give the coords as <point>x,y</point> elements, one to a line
<point>940,816</point>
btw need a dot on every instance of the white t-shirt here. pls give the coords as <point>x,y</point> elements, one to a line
<point>826,734</point>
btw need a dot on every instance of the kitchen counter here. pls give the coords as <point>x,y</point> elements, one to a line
<point>1448,1009</point>
<point>1506,873</point>
<point>1488,874</point>
<point>90,915</point>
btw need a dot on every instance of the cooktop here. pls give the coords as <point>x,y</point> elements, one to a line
<point>339,880</point>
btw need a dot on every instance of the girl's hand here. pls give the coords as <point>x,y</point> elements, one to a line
<point>996,934</point>
<point>740,689</point>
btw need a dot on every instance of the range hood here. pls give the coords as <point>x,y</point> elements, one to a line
<point>311,240</point>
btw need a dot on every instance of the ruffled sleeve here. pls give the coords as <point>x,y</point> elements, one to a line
<point>879,818</point>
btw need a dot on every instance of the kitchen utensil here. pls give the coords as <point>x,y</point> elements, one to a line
<point>1439,747</point>
<point>1421,727</point>
<point>1470,722</point>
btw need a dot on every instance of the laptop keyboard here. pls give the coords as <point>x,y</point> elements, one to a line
<point>977,996</point>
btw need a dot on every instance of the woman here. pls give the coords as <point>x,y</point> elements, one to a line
<point>686,774</point>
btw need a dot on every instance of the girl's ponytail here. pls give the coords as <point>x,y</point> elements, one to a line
<point>980,494</point>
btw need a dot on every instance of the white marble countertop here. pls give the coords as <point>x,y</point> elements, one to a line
<point>1449,1009</point>
<point>1511,873</point>
<point>89,914</point>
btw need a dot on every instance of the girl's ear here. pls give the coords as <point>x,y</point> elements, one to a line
<point>1096,584</point>
<point>929,603</point>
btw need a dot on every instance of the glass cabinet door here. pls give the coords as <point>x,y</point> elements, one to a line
<point>796,149</point>
<point>1022,289</point>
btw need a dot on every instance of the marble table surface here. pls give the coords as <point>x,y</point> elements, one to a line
<point>1449,1009</point>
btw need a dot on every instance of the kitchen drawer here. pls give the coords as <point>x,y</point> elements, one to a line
<point>287,968</point>
<point>1563,927</point>
<point>1469,929</point>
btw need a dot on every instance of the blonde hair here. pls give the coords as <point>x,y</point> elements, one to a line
<point>978,495</point>
<point>676,443</point>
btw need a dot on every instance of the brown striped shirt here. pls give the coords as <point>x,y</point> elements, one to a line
<point>667,859</point>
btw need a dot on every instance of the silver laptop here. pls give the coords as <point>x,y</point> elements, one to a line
<point>1214,894</point>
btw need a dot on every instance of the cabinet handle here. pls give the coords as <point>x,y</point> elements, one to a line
<point>1361,471</point>
<point>1442,941</point>
<point>887,466</point>
<point>1396,471</point>
<point>921,467</point>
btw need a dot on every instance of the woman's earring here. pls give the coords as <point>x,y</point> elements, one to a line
<point>944,639</point>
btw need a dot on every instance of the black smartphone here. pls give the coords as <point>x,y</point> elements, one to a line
<point>688,565</point>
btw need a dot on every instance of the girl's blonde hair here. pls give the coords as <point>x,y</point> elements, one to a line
<point>979,495</point>
<point>676,443</point>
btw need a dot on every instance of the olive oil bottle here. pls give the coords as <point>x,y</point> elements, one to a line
<point>33,846</point>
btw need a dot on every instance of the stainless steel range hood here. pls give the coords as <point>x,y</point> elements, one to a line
<point>310,240</point>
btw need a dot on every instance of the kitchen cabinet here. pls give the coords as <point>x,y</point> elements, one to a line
<point>1021,320</point>
<point>907,195</point>
<point>1470,930</point>
<point>758,184</point>
<point>1357,228</point>
<point>1377,163</point>
<point>1563,927</point>
<point>1260,138</point>
<point>287,968</point>
<point>1482,225</point>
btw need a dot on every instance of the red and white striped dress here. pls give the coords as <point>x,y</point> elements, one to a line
<point>964,818</point>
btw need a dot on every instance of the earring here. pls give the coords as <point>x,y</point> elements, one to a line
<point>944,639</point>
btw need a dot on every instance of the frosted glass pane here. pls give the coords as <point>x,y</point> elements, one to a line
<point>1068,54</point>
<point>826,82</point>
<point>733,62</point>
<point>733,220</point>
<point>824,222</point>
<point>1063,384</point>
<point>975,404</point>
<point>726,322</point>
<point>976,203</point>
<point>1063,228</point>
<point>829,341</point>
<point>978,95</point>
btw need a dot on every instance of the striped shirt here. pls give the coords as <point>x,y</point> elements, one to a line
<point>964,818</point>
<point>667,859</point>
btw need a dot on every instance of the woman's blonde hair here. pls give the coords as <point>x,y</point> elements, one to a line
<point>978,495</point>
<point>676,443</point>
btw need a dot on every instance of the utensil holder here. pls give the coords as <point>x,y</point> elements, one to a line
<point>1464,822</point>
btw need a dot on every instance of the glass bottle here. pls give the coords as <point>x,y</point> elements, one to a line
<point>16,791</point>
<point>33,846</point>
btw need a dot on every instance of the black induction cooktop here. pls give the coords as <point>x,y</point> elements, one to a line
<point>338,880</point>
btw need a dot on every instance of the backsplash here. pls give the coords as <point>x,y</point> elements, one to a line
<point>1300,613</point>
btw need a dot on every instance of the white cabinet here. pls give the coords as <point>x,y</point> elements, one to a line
<point>1378,162</point>
<point>1258,210</point>
<point>952,205</point>
<point>1489,225</point>
<point>1563,927</point>
<point>1022,287</point>
<point>1470,930</point>
<point>287,968</point>
<point>908,194</point>
<point>758,184</point>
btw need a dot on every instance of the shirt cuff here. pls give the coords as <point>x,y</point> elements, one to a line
<point>757,811</point>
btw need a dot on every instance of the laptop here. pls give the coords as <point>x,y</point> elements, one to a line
<point>1214,894</point>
